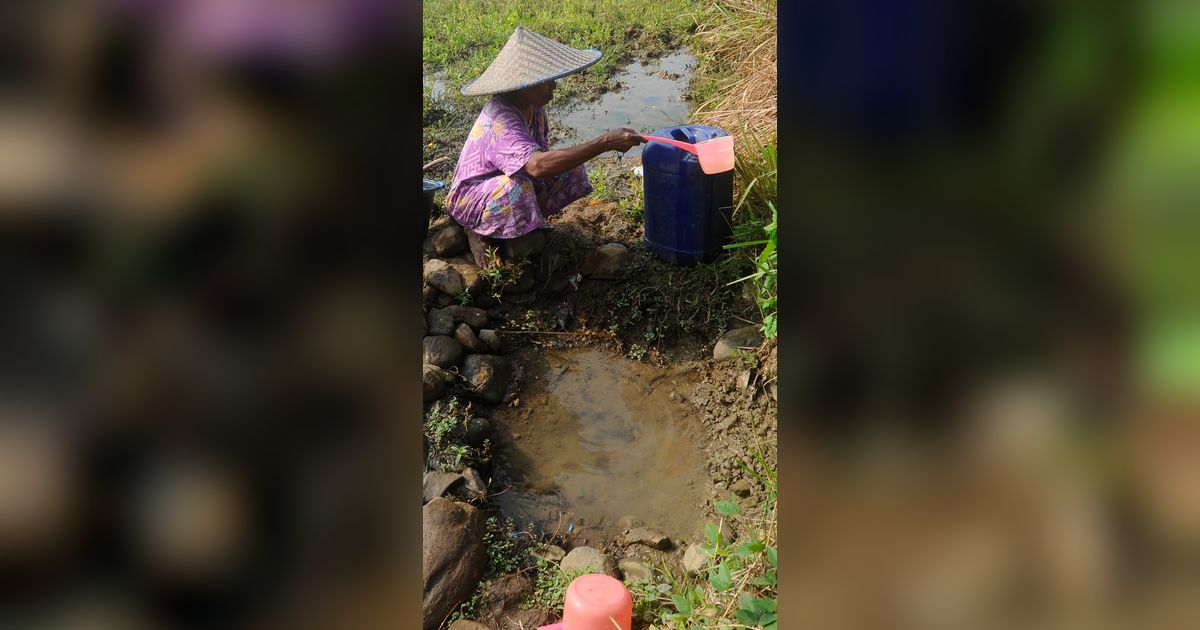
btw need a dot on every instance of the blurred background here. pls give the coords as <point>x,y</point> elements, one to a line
<point>210,255</point>
<point>989,314</point>
<point>990,322</point>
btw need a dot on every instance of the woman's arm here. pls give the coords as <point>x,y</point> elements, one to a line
<point>558,161</point>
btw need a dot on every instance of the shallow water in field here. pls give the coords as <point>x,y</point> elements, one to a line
<point>600,439</point>
<point>651,97</point>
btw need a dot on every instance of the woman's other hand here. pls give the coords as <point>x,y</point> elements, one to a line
<point>621,140</point>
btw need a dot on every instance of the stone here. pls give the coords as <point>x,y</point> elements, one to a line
<point>526,245</point>
<point>551,553</point>
<point>463,624</point>
<point>437,484</point>
<point>742,487</point>
<point>453,557</point>
<point>581,558</point>
<point>433,382</point>
<point>472,276</point>
<point>694,560</point>
<point>476,431</point>
<point>634,571</point>
<point>607,262</point>
<point>429,294</point>
<point>443,300</point>
<point>490,338</point>
<point>442,351</point>
<point>467,338</point>
<point>744,338</point>
<point>488,375</point>
<point>473,316</point>
<point>649,537</point>
<point>474,483</point>
<point>743,379</point>
<point>440,321</point>
<point>448,241</point>
<point>524,284</point>
<point>443,277</point>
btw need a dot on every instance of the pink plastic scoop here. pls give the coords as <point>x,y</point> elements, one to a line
<point>715,156</point>
<point>596,602</point>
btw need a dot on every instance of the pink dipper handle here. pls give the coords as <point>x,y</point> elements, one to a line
<point>686,146</point>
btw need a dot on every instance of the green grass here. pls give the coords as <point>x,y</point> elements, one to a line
<point>461,37</point>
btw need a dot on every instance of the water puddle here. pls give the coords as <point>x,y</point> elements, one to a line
<point>600,440</point>
<point>651,98</point>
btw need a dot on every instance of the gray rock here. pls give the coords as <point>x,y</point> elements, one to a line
<point>581,558</point>
<point>433,383</point>
<point>694,560</point>
<point>443,277</point>
<point>443,300</point>
<point>475,485</point>
<point>648,537</point>
<point>634,571</point>
<point>453,557</point>
<point>440,321</point>
<point>437,484</point>
<point>476,431</point>
<point>742,487</point>
<point>744,338</point>
<point>488,375</point>
<point>491,339</point>
<point>743,379</point>
<point>551,553</point>
<point>467,338</point>
<point>429,294</point>
<point>442,351</point>
<point>473,316</point>
<point>607,262</point>
<point>448,241</point>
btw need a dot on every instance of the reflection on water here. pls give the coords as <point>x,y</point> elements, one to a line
<point>651,98</point>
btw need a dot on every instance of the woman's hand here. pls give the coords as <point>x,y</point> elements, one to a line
<point>620,140</point>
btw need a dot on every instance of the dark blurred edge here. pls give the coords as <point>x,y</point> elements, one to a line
<point>902,231</point>
<point>336,447</point>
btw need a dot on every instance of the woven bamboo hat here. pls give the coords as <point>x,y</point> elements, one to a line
<point>528,59</point>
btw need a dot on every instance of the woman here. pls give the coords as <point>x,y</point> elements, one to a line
<point>508,180</point>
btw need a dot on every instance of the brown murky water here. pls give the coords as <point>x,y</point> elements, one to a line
<point>601,440</point>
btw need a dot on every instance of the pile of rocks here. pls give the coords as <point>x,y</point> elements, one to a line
<point>458,342</point>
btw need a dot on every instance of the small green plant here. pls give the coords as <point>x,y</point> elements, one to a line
<point>601,190</point>
<point>504,550</point>
<point>464,298</point>
<point>636,352</point>
<point>550,588</point>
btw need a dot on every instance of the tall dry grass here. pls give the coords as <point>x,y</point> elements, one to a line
<point>737,41</point>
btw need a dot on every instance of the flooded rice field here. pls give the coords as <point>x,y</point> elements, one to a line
<point>651,97</point>
<point>597,439</point>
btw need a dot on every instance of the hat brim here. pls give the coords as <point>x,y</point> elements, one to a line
<point>466,89</point>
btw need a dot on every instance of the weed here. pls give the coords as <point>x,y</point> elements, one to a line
<point>504,549</point>
<point>636,352</point>
<point>443,451</point>
<point>550,588</point>
<point>464,298</point>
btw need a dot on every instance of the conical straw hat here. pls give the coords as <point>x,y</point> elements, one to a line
<point>528,59</point>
